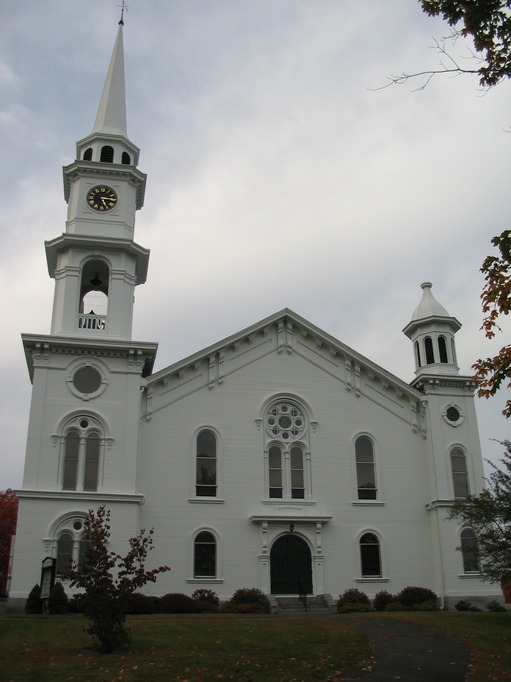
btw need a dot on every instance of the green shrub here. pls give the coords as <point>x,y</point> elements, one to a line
<point>410,596</point>
<point>463,605</point>
<point>33,603</point>
<point>382,599</point>
<point>138,603</point>
<point>206,600</point>
<point>352,596</point>
<point>494,606</point>
<point>75,604</point>
<point>174,602</point>
<point>256,600</point>
<point>397,606</point>
<point>58,600</point>
<point>425,606</point>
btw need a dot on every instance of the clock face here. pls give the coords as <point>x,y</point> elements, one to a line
<point>102,198</point>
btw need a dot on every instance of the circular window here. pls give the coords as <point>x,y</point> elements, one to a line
<point>285,421</point>
<point>84,423</point>
<point>77,525</point>
<point>453,415</point>
<point>87,380</point>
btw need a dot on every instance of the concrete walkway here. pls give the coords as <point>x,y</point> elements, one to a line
<point>408,653</point>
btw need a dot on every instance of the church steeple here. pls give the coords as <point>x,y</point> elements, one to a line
<point>432,331</point>
<point>111,117</point>
<point>97,253</point>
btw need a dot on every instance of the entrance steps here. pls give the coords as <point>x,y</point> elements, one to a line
<point>321,605</point>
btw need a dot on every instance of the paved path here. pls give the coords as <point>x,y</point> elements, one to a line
<point>409,653</point>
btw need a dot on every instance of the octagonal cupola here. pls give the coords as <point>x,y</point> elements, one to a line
<point>432,331</point>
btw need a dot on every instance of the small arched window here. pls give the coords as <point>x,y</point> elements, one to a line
<point>366,479</point>
<point>275,471</point>
<point>204,555</point>
<point>107,154</point>
<point>442,349</point>
<point>297,474</point>
<point>469,551</point>
<point>370,560</point>
<point>206,461</point>
<point>64,553</point>
<point>87,154</point>
<point>72,449</point>
<point>126,160</point>
<point>459,473</point>
<point>428,347</point>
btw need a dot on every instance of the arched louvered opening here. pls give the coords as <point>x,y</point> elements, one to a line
<point>107,154</point>
<point>94,295</point>
<point>428,347</point>
<point>442,349</point>
<point>126,159</point>
<point>87,154</point>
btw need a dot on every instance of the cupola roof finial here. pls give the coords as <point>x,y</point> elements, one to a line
<point>123,7</point>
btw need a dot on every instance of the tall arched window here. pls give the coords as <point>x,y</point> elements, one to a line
<point>469,551</point>
<point>204,555</point>
<point>64,553</point>
<point>370,559</point>
<point>428,347</point>
<point>418,353</point>
<point>442,349</point>
<point>206,462</point>
<point>287,458</point>
<point>82,452</point>
<point>459,473</point>
<point>366,478</point>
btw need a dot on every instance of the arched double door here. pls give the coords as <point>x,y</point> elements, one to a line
<point>290,566</point>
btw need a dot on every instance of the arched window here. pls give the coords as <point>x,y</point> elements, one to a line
<point>366,478</point>
<point>94,289</point>
<point>469,551</point>
<point>64,553</point>
<point>275,470</point>
<point>428,347</point>
<point>442,349</point>
<point>206,460</point>
<point>82,449</point>
<point>459,473</point>
<point>69,546</point>
<point>370,560</point>
<point>87,154</point>
<point>126,160</point>
<point>297,474</point>
<point>287,459</point>
<point>107,154</point>
<point>204,555</point>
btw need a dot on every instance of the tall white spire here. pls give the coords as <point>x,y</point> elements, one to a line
<point>111,117</point>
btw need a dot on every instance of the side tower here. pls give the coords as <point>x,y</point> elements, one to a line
<point>456,465</point>
<point>82,448</point>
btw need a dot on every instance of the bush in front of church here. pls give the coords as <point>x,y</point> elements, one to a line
<point>353,600</point>
<point>175,602</point>
<point>206,600</point>
<point>247,600</point>
<point>58,600</point>
<point>413,597</point>
<point>33,603</point>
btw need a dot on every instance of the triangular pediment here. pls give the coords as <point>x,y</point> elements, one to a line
<point>288,334</point>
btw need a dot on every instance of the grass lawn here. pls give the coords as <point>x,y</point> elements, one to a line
<point>204,647</point>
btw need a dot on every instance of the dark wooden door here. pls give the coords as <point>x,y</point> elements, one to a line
<point>290,566</point>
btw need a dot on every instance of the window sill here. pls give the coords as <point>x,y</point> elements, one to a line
<point>288,502</point>
<point>368,503</point>
<point>372,580</point>
<point>469,576</point>
<point>201,581</point>
<point>206,500</point>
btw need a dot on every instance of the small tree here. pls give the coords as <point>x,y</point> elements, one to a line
<point>108,580</point>
<point>8,518</point>
<point>489,516</point>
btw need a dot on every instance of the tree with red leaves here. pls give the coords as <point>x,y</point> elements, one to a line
<point>8,518</point>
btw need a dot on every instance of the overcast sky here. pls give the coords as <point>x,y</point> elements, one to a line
<point>278,174</point>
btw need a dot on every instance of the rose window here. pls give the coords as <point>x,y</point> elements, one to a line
<point>285,421</point>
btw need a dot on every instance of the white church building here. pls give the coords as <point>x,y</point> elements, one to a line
<point>277,458</point>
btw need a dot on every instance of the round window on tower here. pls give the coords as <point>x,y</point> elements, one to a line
<point>86,382</point>
<point>453,415</point>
